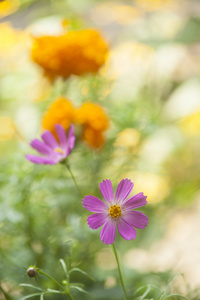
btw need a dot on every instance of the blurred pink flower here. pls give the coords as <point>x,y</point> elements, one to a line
<point>52,151</point>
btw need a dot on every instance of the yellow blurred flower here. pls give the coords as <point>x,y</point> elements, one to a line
<point>75,52</point>
<point>61,112</point>
<point>150,5</point>
<point>127,138</point>
<point>156,187</point>
<point>190,125</point>
<point>108,12</point>
<point>90,116</point>
<point>127,144</point>
<point>7,128</point>
<point>9,37</point>
<point>8,7</point>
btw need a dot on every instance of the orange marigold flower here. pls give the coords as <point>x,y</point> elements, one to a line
<point>92,137</point>
<point>90,116</point>
<point>94,121</point>
<point>61,112</point>
<point>75,52</point>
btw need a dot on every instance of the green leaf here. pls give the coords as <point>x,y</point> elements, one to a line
<point>41,297</point>
<point>78,288</point>
<point>80,271</point>
<point>54,291</point>
<point>63,264</point>
<point>163,294</point>
<point>32,295</point>
<point>176,295</point>
<point>145,293</point>
<point>32,286</point>
<point>151,286</point>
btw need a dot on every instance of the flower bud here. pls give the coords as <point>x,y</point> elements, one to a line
<point>31,272</point>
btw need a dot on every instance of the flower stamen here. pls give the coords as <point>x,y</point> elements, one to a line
<point>59,150</point>
<point>115,211</point>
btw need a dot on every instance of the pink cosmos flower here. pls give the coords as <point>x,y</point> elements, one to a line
<point>116,211</point>
<point>52,151</point>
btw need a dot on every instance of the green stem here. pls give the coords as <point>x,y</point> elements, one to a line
<point>51,278</point>
<point>120,273</point>
<point>70,296</point>
<point>66,291</point>
<point>68,167</point>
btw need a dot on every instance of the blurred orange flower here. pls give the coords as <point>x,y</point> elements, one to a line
<point>90,116</point>
<point>75,52</point>
<point>61,112</point>
<point>94,121</point>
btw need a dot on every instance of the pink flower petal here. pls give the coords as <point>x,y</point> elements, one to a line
<point>134,202</point>
<point>136,219</point>
<point>71,140</point>
<point>124,189</point>
<point>97,220</point>
<point>41,147</point>
<point>41,159</point>
<point>94,204</point>
<point>108,232</point>
<point>106,190</point>
<point>49,139</point>
<point>125,229</point>
<point>61,136</point>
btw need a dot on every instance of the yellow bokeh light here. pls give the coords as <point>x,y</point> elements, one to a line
<point>190,125</point>
<point>132,57</point>
<point>128,137</point>
<point>7,128</point>
<point>9,37</point>
<point>154,186</point>
<point>8,7</point>
<point>109,12</point>
<point>150,5</point>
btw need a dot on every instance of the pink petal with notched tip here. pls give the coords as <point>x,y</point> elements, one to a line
<point>41,147</point>
<point>124,189</point>
<point>136,219</point>
<point>94,204</point>
<point>41,159</point>
<point>71,140</point>
<point>125,229</point>
<point>134,202</point>
<point>61,136</point>
<point>49,139</point>
<point>107,190</point>
<point>108,232</point>
<point>97,220</point>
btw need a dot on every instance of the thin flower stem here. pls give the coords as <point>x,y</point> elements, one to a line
<point>51,278</point>
<point>120,273</point>
<point>68,167</point>
<point>55,281</point>
<point>70,296</point>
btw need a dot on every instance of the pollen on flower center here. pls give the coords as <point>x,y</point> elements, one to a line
<point>59,150</point>
<point>115,211</point>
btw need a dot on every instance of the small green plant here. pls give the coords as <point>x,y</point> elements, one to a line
<point>64,287</point>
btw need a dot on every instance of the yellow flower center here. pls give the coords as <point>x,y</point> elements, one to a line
<point>59,150</point>
<point>115,211</point>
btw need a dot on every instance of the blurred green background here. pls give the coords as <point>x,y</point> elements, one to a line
<point>150,90</point>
